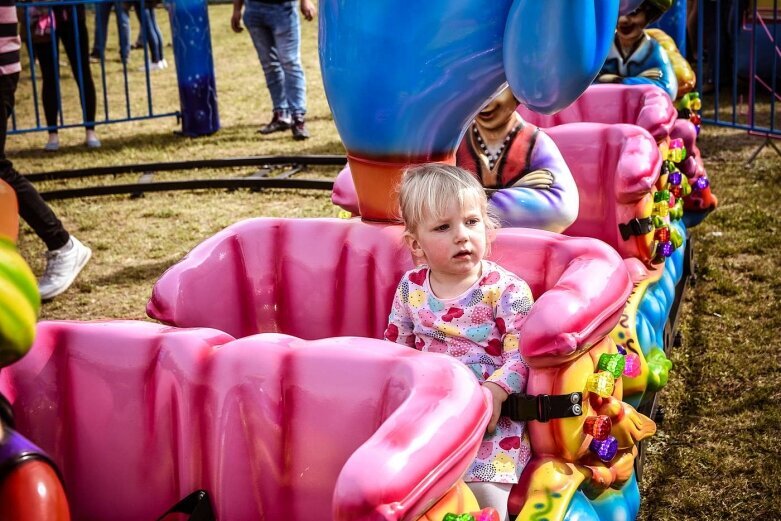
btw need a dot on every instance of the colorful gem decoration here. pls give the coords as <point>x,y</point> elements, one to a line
<point>688,108</point>
<point>486,514</point>
<point>601,383</point>
<point>604,449</point>
<point>458,517</point>
<point>701,184</point>
<point>632,367</point>
<point>598,427</point>
<point>613,364</point>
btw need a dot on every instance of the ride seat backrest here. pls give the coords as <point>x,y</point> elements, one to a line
<point>615,168</point>
<point>266,424</point>
<point>317,278</point>
<point>646,106</point>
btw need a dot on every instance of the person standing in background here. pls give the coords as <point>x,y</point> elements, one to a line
<point>102,12</point>
<point>66,255</point>
<point>275,29</point>
<point>68,24</point>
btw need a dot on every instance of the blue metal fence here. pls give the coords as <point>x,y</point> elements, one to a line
<point>738,64</point>
<point>117,103</point>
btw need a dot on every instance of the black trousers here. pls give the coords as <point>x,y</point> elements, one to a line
<point>32,208</point>
<point>69,21</point>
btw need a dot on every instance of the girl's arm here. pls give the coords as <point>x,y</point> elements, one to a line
<point>400,325</point>
<point>510,312</point>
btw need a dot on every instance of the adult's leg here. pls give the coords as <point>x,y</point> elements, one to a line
<point>287,40</point>
<point>153,35</point>
<point>262,35</point>
<point>102,12</point>
<point>32,207</point>
<point>76,46</point>
<point>45,54</point>
<point>123,28</point>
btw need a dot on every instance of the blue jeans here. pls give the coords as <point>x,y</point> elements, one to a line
<point>102,12</point>
<point>150,30</point>
<point>275,30</point>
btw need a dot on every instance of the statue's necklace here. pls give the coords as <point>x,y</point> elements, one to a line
<point>493,157</point>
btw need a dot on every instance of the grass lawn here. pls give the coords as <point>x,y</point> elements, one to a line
<point>717,454</point>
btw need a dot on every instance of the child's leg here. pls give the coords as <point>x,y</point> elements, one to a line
<point>495,495</point>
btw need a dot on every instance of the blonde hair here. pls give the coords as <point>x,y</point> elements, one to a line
<point>431,188</point>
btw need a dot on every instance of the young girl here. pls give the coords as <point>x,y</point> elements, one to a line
<point>456,302</point>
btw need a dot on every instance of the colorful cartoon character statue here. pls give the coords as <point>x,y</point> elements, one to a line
<point>530,183</point>
<point>636,58</point>
<point>30,487</point>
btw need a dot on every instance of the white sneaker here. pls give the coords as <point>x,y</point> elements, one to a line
<point>156,66</point>
<point>62,267</point>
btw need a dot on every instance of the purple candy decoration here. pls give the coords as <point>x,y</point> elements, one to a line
<point>667,248</point>
<point>621,349</point>
<point>675,178</point>
<point>701,184</point>
<point>606,449</point>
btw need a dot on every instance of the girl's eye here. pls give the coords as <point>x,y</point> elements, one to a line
<point>441,228</point>
<point>473,221</point>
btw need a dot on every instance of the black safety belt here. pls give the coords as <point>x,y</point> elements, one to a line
<point>543,407</point>
<point>636,227</point>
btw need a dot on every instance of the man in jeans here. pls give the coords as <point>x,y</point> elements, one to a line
<point>67,255</point>
<point>275,29</point>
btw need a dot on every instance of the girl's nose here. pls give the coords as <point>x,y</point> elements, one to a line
<point>461,233</point>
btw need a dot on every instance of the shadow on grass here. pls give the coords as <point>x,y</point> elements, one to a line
<point>149,272</point>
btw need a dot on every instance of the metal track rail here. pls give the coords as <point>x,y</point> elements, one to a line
<point>263,178</point>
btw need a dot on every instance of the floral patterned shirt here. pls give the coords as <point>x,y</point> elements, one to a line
<point>480,327</point>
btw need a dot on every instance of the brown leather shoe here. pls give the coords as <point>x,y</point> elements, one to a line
<point>278,123</point>
<point>299,128</point>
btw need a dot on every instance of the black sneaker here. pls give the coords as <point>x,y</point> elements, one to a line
<point>299,128</point>
<point>278,123</point>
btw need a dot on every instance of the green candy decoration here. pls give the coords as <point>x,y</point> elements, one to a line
<point>675,236</point>
<point>658,369</point>
<point>458,517</point>
<point>613,364</point>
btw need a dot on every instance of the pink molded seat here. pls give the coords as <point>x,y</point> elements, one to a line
<point>646,106</point>
<point>138,415</point>
<point>615,168</point>
<point>315,278</point>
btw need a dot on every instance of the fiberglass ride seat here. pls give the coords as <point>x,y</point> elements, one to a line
<point>329,277</point>
<point>138,415</point>
<point>648,107</point>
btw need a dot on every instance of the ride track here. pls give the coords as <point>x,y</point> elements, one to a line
<point>264,177</point>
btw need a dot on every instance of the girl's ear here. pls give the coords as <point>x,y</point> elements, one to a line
<point>418,255</point>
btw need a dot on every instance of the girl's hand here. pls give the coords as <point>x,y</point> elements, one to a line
<point>499,396</point>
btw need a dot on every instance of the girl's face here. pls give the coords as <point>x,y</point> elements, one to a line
<point>453,244</point>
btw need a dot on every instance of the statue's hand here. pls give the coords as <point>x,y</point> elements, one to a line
<point>537,179</point>
<point>652,74</point>
<point>608,78</point>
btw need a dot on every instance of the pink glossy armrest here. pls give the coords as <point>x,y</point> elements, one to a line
<point>138,415</point>
<point>315,278</point>
<point>646,106</point>
<point>615,167</point>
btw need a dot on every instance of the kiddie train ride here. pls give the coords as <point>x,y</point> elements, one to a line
<point>268,387</point>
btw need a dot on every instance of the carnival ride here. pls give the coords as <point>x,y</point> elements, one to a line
<point>267,386</point>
